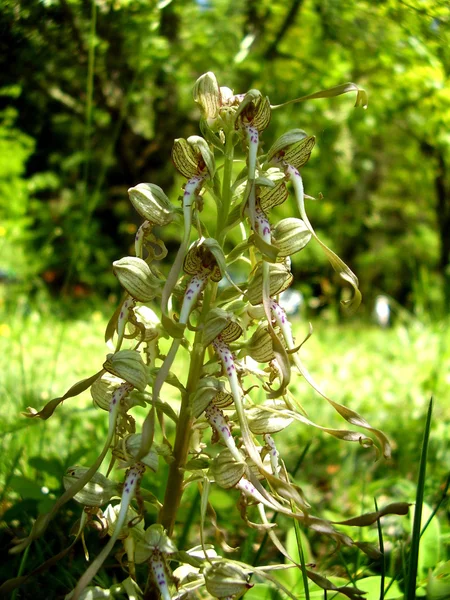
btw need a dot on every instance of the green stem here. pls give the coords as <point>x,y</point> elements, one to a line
<point>222,214</point>
<point>23,562</point>
<point>174,486</point>
<point>413,559</point>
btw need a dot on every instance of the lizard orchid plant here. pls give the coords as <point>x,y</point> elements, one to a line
<point>238,344</point>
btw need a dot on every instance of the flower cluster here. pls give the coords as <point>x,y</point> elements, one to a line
<point>238,343</point>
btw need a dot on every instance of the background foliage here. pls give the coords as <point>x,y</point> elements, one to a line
<point>93,94</point>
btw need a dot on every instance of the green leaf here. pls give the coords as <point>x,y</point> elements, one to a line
<point>26,488</point>
<point>263,591</point>
<point>430,543</point>
<point>51,466</point>
<point>413,562</point>
<point>371,585</point>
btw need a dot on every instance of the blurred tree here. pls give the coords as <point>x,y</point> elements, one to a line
<point>106,87</point>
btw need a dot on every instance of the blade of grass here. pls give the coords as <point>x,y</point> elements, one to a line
<point>394,578</point>
<point>11,473</point>
<point>438,505</point>
<point>413,559</point>
<point>363,495</point>
<point>274,518</point>
<point>347,570</point>
<point>23,562</point>
<point>383,559</point>
<point>298,535</point>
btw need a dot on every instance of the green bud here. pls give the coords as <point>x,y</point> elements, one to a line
<point>207,389</point>
<point>280,279</point>
<point>136,277</point>
<point>202,147</point>
<point>226,470</point>
<point>293,147</point>
<point>260,346</point>
<point>186,159</point>
<point>254,110</point>
<point>193,157</point>
<point>200,258</point>
<point>132,446</point>
<point>112,512</point>
<point>207,95</point>
<point>146,317</point>
<point>290,236</point>
<point>216,250</point>
<point>225,579</point>
<point>263,420</point>
<point>272,195</point>
<point>141,552</point>
<point>98,491</point>
<point>128,365</point>
<point>156,538</point>
<point>220,322</point>
<point>152,203</point>
<point>223,399</point>
<point>103,388</point>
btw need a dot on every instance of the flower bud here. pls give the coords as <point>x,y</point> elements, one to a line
<point>293,147</point>
<point>103,388</point>
<point>111,514</point>
<point>263,420</point>
<point>226,95</point>
<point>128,365</point>
<point>272,196</point>
<point>201,146</point>
<point>151,203</point>
<point>280,279</point>
<point>208,388</point>
<point>193,157</point>
<point>199,258</point>
<point>98,491</point>
<point>254,110</point>
<point>157,539</point>
<point>290,236</point>
<point>226,470</point>
<point>132,445</point>
<point>220,322</point>
<point>223,399</point>
<point>148,319</point>
<point>186,159</point>
<point>136,277</point>
<point>226,579</point>
<point>260,346</point>
<point>256,313</point>
<point>207,94</point>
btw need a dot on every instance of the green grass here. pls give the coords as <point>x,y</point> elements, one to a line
<point>386,375</point>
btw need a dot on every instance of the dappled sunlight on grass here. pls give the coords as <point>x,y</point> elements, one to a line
<point>385,375</point>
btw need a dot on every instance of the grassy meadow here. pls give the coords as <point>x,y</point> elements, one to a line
<point>387,375</point>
